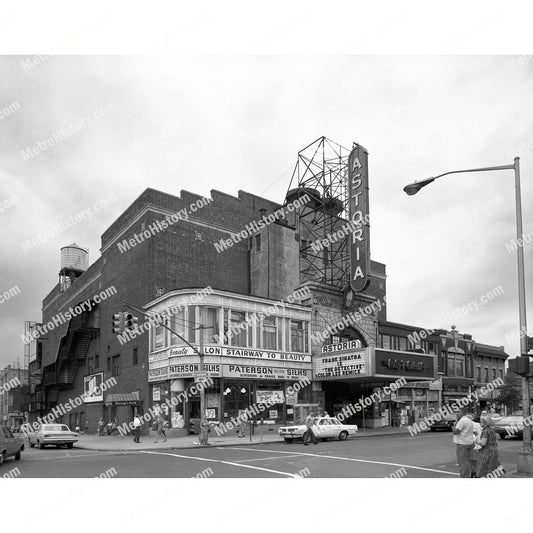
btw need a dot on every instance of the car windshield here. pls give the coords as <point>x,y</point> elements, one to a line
<point>56,427</point>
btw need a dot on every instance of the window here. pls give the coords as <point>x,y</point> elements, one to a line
<point>209,318</point>
<point>109,363</point>
<point>116,366</point>
<point>237,334</point>
<point>431,347</point>
<point>270,333</point>
<point>89,365</point>
<point>501,373</point>
<point>191,325</point>
<point>298,336</point>
<point>135,356</point>
<point>158,337</point>
<point>258,242</point>
<point>177,323</point>
<point>96,361</point>
<point>456,364</point>
<point>478,374</point>
<point>493,374</point>
<point>386,342</point>
<point>402,344</point>
<point>486,375</point>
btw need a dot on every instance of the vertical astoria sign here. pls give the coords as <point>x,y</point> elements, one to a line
<point>358,210</point>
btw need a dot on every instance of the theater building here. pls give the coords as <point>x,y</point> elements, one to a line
<point>251,253</point>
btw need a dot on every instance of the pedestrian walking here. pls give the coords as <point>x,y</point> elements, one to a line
<point>489,460</point>
<point>160,428</point>
<point>310,434</point>
<point>137,429</point>
<point>242,425</point>
<point>204,430</point>
<point>463,436</point>
<point>101,426</point>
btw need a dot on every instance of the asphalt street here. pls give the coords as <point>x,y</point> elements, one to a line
<point>428,455</point>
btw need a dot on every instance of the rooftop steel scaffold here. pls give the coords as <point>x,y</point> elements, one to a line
<point>321,172</point>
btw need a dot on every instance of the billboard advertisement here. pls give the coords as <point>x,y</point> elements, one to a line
<point>92,388</point>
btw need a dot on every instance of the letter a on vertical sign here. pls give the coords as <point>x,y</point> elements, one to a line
<point>359,240</point>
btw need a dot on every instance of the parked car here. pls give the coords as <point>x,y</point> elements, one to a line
<point>509,422</point>
<point>324,428</point>
<point>446,422</point>
<point>10,446</point>
<point>56,434</point>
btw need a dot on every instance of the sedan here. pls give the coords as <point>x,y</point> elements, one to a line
<point>446,423</point>
<point>56,434</point>
<point>324,428</point>
<point>510,425</point>
<point>10,446</point>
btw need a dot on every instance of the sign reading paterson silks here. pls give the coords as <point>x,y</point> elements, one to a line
<point>358,212</point>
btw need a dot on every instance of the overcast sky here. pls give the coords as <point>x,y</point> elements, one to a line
<point>237,123</point>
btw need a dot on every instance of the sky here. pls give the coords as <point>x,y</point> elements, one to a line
<point>237,123</point>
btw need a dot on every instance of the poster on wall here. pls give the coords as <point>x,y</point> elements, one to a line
<point>156,394</point>
<point>269,396</point>
<point>92,388</point>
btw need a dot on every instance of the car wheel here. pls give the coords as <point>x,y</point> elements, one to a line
<point>41,445</point>
<point>32,444</point>
<point>288,441</point>
<point>18,455</point>
<point>502,436</point>
<point>69,445</point>
<point>343,435</point>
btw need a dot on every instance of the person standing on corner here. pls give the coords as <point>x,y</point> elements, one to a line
<point>137,429</point>
<point>463,436</point>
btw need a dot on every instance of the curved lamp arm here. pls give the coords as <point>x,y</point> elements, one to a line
<point>414,187</point>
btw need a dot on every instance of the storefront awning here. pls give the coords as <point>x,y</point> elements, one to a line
<point>127,398</point>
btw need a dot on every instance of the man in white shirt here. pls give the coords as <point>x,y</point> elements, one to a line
<point>137,429</point>
<point>463,436</point>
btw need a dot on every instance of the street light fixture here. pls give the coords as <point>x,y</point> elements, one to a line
<point>525,456</point>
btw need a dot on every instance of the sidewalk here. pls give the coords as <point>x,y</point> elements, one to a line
<point>118,443</point>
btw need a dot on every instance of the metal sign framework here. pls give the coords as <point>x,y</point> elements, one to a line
<point>322,172</point>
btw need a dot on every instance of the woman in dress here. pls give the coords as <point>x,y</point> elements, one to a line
<point>488,460</point>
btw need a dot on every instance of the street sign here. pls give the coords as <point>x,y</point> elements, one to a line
<point>200,375</point>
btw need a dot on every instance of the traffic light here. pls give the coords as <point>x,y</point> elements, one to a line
<point>519,365</point>
<point>118,323</point>
<point>130,321</point>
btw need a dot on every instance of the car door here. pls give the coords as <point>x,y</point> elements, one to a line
<point>10,443</point>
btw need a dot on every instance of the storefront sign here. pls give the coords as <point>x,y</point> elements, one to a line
<point>156,394</point>
<point>347,364</point>
<point>92,388</point>
<point>359,240</point>
<point>392,363</point>
<point>248,353</point>
<point>269,396</point>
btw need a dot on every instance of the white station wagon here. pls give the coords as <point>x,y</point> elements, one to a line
<point>325,428</point>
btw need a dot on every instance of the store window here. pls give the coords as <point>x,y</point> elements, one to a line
<point>298,336</point>
<point>178,324</point>
<point>270,333</point>
<point>209,318</point>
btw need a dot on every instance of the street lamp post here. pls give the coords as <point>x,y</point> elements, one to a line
<point>525,456</point>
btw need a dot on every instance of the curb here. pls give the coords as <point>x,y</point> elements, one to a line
<point>221,445</point>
